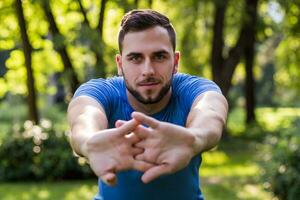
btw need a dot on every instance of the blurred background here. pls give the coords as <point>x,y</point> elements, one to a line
<point>250,48</point>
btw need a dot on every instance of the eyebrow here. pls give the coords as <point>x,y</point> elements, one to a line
<point>154,53</point>
<point>133,54</point>
<point>160,52</point>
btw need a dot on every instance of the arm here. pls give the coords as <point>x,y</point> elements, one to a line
<point>85,117</point>
<point>170,147</point>
<point>207,119</point>
<point>107,150</point>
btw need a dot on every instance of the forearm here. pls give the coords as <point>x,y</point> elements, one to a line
<point>78,138</point>
<point>206,121</point>
<point>207,135</point>
<point>86,117</point>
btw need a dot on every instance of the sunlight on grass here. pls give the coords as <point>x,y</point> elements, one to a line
<point>43,194</point>
<point>218,163</point>
<point>251,191</point>
<point>84,192</point>
<point>232,170</point>
<point>66,190</point>
<point>269,118</point>
<point>215,158</point>
<point>272,118</point>
<point>235,121</point>
<point>230,189</point>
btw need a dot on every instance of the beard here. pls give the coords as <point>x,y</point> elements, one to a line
<point>164,90</point>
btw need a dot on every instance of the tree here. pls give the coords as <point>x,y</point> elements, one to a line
<point>61,47</point>
<point>27,48</point>
<point>250,27</point>
<point>223,67</point>
<point>97,43</point>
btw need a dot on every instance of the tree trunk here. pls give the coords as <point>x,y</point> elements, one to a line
<point>250,85</point>
<point>218,43</point>
<point>249,59</point>
<point>97,43</point>
<point>100,63</point>
<point>27,48</point>
<point>150,3</point>
<point>127,6</point>
<point>61,48</point>
<point>223,67</point>
<point>136,4</point>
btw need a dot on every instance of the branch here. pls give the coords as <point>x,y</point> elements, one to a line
<point>61,48</point>
<point>101,18</point>
<point>83,11</point>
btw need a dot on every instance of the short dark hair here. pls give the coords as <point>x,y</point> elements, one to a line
<point>139,20</point>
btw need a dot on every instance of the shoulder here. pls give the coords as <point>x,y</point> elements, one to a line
<point>109,86</point>
<point>186,88</point>
<point>183,82</point>
<point>112,81</point>
<point>105,91</point>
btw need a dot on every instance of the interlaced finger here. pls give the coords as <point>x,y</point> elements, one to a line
<point>128,127</point>
<point>144,119</point>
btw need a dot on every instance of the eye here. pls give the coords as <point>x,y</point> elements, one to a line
<point>135,58</point>
<point>160,57</point>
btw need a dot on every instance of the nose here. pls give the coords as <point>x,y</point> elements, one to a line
<point>148,69</point>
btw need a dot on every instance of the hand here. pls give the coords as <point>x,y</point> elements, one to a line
<point>169,147</point>
<point>111,150</point>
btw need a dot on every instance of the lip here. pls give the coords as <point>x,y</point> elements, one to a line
<point>148,84</point>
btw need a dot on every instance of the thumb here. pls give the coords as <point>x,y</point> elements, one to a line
<point>155,172</point>
<point>109,178</point>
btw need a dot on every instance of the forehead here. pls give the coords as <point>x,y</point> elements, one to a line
<point>147,41</point>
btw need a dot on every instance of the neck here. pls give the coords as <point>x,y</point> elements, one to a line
<point>148,108</point>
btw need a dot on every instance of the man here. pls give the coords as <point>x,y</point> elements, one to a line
<point>143,132</point>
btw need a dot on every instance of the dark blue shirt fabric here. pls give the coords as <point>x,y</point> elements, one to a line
<point>182,185</point>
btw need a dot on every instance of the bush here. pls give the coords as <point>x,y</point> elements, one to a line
<point>34,152</point>
<point>281,165</point>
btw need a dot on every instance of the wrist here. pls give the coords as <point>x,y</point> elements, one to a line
<point>198,144</point>
<point>79,146</point>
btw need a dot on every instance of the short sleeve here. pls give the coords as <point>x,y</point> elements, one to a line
<point>190,87</point>
<point>102,90</point>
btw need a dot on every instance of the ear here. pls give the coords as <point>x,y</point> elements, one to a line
<point>119,64</point>
<point>176,61</point>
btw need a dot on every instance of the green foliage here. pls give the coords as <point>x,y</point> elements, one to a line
<point>281,167</point>
<point>192,19</point>
<point>32,152</point>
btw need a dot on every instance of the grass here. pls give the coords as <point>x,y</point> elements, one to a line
<point>66,190</point>
<point>231,172</point>
<point>267,117</point>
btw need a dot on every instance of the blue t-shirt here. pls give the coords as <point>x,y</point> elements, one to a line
<point>182,185</point>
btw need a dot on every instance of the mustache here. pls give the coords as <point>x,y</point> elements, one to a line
<point>149,80</point>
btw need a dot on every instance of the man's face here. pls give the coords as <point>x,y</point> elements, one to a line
<point>148,64</point>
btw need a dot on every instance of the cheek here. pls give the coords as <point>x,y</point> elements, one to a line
<point>131,75</point>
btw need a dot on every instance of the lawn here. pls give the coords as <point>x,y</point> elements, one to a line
<point>231,172</point>
<point>66,190</point>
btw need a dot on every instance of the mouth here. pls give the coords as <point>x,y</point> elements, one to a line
<point>149,82</point>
